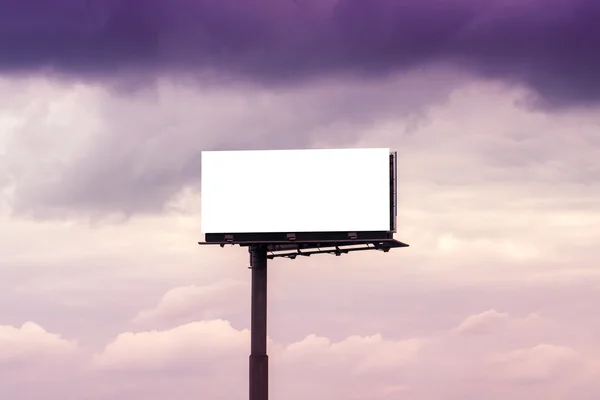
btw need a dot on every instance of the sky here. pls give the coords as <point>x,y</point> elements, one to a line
<point>493,107</point>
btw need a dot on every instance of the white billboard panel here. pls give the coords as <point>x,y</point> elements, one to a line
<point>340,190</point>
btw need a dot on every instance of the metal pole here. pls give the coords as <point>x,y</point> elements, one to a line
<point>259,361</point>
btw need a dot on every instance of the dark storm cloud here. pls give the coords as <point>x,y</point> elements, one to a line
<point>551,46</point>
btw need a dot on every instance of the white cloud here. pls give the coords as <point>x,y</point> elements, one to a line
<point>33,360</point>
<point>211,356</point>
<point>31,344</point>
<point>192,303</point>
<point>202,341</point>
<point>360,366</point>
<point>360,354</point>
<point>534,365</point>
<point>484,323</point>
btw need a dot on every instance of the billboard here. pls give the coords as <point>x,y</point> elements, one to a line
<point>308,192</point>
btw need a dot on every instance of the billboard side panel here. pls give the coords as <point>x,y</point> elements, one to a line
<point>393,191</point>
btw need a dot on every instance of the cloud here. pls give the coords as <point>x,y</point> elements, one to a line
<point>31,344</point>
<point>139,154</point>
<point>136,153</point>
<point>211,355</point>
<point>31,357</point>
<point>364,354</point>
<point>487,179</point>
<point>537,364</point>
<point>483,323</point>
<point>212,352</point>
<point>193,303</point>
<point>196,343</point>
<point>359,366</point>
<point>549,46</point>
<point>179,348</point>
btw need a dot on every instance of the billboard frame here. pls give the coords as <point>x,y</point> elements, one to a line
<point>323,236</point>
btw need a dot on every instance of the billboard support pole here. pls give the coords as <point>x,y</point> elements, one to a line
<point>259,361</point>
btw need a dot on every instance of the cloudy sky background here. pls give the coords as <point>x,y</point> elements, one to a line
<point>494,109</point>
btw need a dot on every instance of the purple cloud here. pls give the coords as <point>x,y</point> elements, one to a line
<point>550,46</point>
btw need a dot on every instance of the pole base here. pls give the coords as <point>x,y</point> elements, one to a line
<point>259,377</point>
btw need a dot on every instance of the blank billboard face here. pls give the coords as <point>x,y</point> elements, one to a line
<point>295,191</point>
